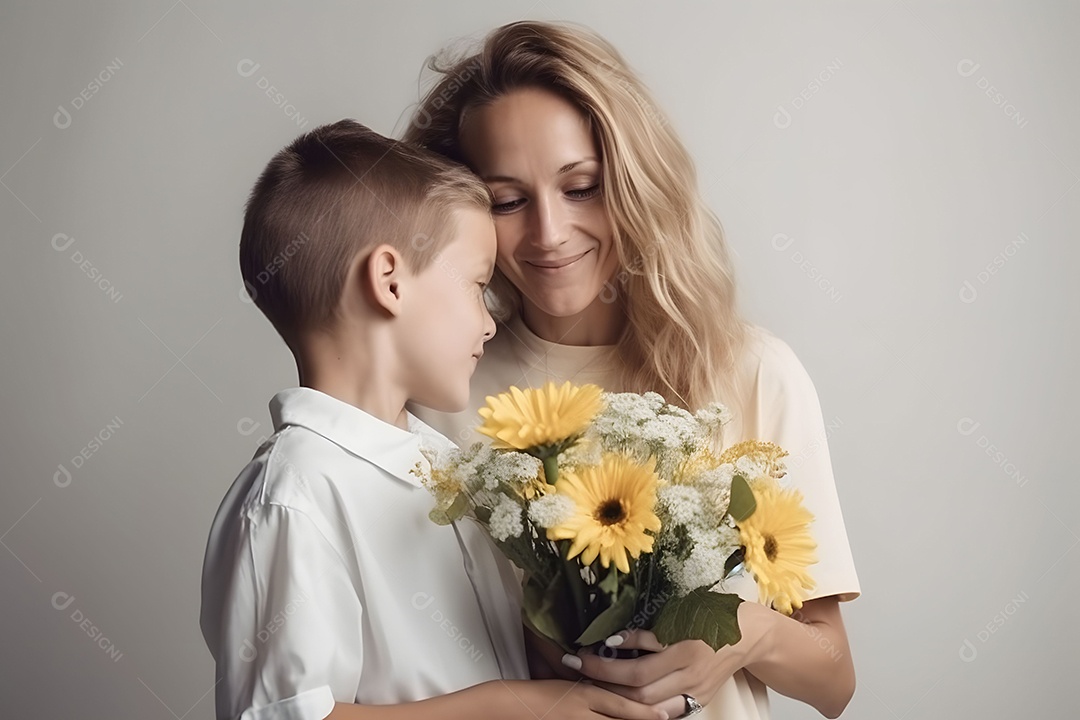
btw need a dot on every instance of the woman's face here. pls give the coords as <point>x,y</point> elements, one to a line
<point>535,151</point>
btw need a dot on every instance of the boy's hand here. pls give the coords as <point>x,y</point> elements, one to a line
<point>577,701</point>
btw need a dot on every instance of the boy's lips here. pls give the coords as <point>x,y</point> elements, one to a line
<point>556,264</point>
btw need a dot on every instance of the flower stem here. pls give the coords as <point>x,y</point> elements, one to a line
<point>577,585</point>
<point>551,468</point>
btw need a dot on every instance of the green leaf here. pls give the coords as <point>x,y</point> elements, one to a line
<point>612,620</point>
<point>701,615</point>
<point>610,583</point>
<point>453,513</point>
<point>742,504</point>
<point>544,606</point>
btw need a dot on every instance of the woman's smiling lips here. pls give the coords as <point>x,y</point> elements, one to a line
<point>554,266</point>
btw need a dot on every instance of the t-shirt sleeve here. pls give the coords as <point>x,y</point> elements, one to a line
<point>291,639</point>
<point>784,409</point>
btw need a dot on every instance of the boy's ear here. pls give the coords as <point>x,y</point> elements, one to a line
<point>382,277</point>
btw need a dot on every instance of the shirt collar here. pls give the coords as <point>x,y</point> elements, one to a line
<point>387,446</point>
<point>564,360</point>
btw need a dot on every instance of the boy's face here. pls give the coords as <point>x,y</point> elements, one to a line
<point>445,322</point>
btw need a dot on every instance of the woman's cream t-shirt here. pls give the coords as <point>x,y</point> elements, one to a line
<point>779,403</point>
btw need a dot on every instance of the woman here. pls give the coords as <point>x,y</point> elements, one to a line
<point>612,271</point>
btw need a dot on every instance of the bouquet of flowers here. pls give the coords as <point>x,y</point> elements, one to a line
<point>621,513</point>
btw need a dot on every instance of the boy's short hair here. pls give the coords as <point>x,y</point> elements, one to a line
<point>331,193</point>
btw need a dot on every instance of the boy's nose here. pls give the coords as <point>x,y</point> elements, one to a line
<point>489,325</point>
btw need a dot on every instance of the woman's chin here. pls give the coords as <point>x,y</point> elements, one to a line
<point>563,306</point>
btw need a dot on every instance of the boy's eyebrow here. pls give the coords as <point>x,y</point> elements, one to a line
<point>561,171</point>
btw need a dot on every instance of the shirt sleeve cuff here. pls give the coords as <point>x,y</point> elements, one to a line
<point>845,590</point>
<point>314,704</point>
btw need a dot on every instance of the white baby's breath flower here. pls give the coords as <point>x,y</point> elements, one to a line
<point>749,468</point>
<point>441,456</point>
<point>506,519</point>
<point>714,415</point>
<point>676,411</point>
<point>704,536</point>
<point>488,476</point>
<point>468,464</point>
<point>623,422</point>
<point>551,510</point>
<point>711,546</point>
<point>681,502</point>
<point>632,407</point>
<point>724,473</point>
<point>703,568</point>
<point>655,400</point>
<point>655,432</point>
<point>522,466</point>
<point>514,468</point>
<point>714,536</point>
<point>715,500</point>
<point>681,430</point>
<point>588,451</point>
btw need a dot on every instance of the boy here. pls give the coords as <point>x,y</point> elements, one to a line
<point>324,582</point>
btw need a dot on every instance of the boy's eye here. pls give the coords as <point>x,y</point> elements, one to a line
<point>584,193</point>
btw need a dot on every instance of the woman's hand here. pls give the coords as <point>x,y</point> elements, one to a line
<point>690,666</point>
<point>805,656</point>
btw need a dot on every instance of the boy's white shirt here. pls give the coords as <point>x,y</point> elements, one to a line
<point>324,580</point>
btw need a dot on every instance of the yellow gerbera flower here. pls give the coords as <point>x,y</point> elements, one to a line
<point>615,503</point>
<point>536,418</point>
<point>778,545</point>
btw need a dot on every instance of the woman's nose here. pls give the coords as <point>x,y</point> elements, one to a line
<point>551,227</point>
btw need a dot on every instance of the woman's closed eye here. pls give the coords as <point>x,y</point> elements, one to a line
<point>584,193</point>
<point>506,206</point>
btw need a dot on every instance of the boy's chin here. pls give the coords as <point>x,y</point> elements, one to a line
<point>447,404</point>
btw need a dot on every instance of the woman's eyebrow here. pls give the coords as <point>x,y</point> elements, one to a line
<point>570,166</point>
<point>561,171</point>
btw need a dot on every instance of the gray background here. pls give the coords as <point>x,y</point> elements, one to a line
<point>910,235</point>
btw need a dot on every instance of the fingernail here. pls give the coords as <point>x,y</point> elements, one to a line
<point>615,640</point>
<point>571,661</point>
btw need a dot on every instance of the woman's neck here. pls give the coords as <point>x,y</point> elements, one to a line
<point>601,323</point>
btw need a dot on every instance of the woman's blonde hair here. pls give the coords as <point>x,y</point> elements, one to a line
<point>683,332</point>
